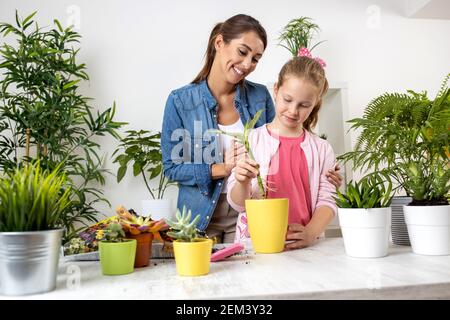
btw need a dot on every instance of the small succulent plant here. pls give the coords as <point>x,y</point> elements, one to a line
<point>184,229</point>
<point>135,224</point>
<point>114,233</point>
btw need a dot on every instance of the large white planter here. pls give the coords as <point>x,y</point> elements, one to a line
<point>365,231</point>
<point>429,229</point>
<point>158,209</point>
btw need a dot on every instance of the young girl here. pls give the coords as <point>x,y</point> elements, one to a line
<point>290,158</point>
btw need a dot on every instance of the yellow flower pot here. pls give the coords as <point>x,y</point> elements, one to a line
<point>267,223</point>
<point>192,258</point>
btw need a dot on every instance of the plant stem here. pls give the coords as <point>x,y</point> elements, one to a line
<point>27,148</point>
<point>258,177</point>
<point>146,184</point>
<point>160,186</point>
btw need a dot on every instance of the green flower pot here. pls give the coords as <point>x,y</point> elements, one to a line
<point>117,258</point>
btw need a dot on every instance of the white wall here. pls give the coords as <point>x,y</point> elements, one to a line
<point>137,51</point>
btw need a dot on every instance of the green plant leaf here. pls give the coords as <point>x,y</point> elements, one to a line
<point>121,173</point>
<point>70,84</point>
<point>24,22</point>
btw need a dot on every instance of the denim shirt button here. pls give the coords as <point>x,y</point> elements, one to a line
<point>213,201</point>
<point>220,183</point>
<point>207,217</point>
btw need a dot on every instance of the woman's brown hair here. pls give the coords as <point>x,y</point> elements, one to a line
<point>230,29</point>
<point>310,70</point>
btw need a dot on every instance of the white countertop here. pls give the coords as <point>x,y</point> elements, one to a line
<point>322,271</point>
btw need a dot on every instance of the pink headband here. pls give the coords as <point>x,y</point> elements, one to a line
<point>304,52</point>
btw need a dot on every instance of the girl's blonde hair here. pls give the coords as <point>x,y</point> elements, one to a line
<point>310,70</point>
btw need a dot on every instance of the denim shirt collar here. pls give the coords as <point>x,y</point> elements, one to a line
<point>211,102</point>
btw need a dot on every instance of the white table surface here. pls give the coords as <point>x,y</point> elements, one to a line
<point>322,271</point>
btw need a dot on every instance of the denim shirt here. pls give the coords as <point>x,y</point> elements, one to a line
<point>189,149</point>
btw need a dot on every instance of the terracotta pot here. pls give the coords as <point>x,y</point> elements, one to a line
<point>143,248</point>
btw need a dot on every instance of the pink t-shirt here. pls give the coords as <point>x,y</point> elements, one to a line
<point>291,181</point>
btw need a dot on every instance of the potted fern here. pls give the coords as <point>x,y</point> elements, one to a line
<point>192,251</point>
<point>365,216</point>
<point>408,135</point>
<point>142,150</point>
<point>33,203</point>
<point>117,253</point>
<point>267,218</point>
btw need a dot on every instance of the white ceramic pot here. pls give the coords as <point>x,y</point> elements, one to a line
<point>158,209</point>
<point>429,229</point>
<point>365,231</point>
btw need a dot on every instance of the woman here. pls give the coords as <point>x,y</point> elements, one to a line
<point>219,97</point>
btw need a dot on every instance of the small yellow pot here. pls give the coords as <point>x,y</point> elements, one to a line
<point>192,258</point>
<point>267,223</point>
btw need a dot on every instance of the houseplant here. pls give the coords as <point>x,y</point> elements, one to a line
<point>408,135</point>
<point>142,149</point>
<point>117,254</point>
<point>192,251</point>
<point>298,34</point>
<point>267,218</point>
<point>43,115</point>
<point>33,202</point>
<point>365,216</point>
<point>142,230</point>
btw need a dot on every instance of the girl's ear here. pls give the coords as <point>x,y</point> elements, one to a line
<point>218,42</point>
<point>275,88</point>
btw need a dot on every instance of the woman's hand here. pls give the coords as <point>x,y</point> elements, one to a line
<point>232,155</point>
<point>223,170</point>
<point>302,236</point>
<point>334,177</point>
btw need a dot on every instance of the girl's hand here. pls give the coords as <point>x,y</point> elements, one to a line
<point>334,177</point>
<point>232,155</point>
<point>246,170</point>
<point>302,236</point>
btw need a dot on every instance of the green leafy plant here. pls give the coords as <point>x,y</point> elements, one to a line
<point>184,229</point>
<point>33,199</point>
<point>243,139</point>
<point>407,137</point>
<point>44,117</point>
<point>370,192</point>
<point>143,149</point>
<point>114,233</point>
<point>299,33</point>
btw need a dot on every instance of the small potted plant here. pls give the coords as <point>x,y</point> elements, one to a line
<point>33,203</point>
<point>365,216</point>
<point>142,230</point>
<point>191,249</point>
<point>117,253</point>
<point>298,34</point>
<point>408,135</point>
<point>142,149</point>
<point>267,218</point>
